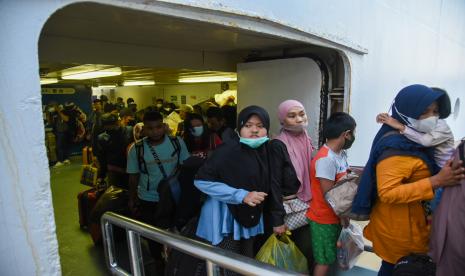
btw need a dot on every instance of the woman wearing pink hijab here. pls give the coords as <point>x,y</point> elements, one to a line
<point>292,152</point>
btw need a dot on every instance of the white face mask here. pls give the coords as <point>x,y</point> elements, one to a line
<point>424,125</point>
<point>197,131</point>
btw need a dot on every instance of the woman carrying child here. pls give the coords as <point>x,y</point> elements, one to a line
<point>400,176</point>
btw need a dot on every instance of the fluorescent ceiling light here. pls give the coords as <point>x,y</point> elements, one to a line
<point>207,79</point>
<point>138,82</point>
<point>48,80</point>
<point>116,71</point>
<point>107,86</point>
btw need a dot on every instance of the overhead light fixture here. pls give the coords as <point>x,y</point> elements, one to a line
<point>109,72</point>
<point>48,80</point>
<point>138,82</point>
<point>107,86</point>
<point>207,79</point>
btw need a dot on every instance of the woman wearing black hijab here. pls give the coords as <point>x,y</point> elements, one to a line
<point>237,181</point>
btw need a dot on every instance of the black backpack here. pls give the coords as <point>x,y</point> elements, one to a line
<point>415,265</point>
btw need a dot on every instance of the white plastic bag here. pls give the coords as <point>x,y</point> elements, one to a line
<point>350,246</point>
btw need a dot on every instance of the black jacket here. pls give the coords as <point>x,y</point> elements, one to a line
<point>240,166</point>
<point>285,181</point>
<point>112,148</point>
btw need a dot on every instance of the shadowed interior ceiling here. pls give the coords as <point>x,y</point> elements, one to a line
<point>85,23</point>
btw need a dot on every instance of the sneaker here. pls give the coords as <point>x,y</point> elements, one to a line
<point>67,162</point>
<point>58,164</point>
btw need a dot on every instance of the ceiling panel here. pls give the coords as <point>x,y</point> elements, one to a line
<point>113,24</point>
<point>103,23</point>
<point>159,75</point>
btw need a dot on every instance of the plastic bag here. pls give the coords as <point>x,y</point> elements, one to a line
<point>283,253</point>
<point>350,246</point>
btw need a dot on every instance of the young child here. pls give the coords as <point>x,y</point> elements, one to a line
<point>327,167</point>
<point>441,138</point>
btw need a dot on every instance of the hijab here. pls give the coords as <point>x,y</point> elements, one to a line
<point>411,101</point>
<point>241,167</point>
<point>247,112</point>
<point>299,147</point>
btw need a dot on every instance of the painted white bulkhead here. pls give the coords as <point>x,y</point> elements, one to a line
<point>385,45</point>
<point>268,83</point>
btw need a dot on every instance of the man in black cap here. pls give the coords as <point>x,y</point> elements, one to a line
<point>111,150</point>
<point>104,100</point>
<point>126,116</point>
<point>217,123</point>
<point>94,124</point>
<point>119,103</point>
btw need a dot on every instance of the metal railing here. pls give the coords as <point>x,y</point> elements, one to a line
<point>213,256</point>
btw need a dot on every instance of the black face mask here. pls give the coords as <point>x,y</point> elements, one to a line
<point>132,123</point>
<point>348,143</point>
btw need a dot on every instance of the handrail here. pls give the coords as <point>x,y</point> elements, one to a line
<point>213,256</point>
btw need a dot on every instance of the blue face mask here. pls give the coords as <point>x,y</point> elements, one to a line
<point>197,131</point>
<point>253,142</point>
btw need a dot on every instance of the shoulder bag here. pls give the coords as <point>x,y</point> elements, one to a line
<point>296,210</point>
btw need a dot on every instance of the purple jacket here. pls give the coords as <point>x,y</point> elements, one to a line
<point>447,244</point>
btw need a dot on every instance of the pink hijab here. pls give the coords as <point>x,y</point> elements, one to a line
<point>299,147</point>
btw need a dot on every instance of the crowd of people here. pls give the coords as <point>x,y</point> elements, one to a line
<point>234,177</point>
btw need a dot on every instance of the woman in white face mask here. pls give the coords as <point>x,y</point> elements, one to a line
<point>400,178</point>
<point>429,130</point>
<point>198,138</point>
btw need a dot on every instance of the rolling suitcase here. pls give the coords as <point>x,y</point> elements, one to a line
<point>114,199</point>
<point>86,203</point>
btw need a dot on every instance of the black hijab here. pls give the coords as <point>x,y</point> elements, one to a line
<point>241,167</point>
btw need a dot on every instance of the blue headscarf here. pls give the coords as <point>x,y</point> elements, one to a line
<point>411,101</point>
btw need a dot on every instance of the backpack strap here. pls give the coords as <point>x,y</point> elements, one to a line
<point>143,165</point>
<point>177,148</point>
<point>140,156</point>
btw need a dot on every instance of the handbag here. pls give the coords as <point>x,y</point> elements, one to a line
<point>295,210</point>
<point>169,181</point>
<point>342,194</point>
<point>89,175</point>
<point>169,191</point>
